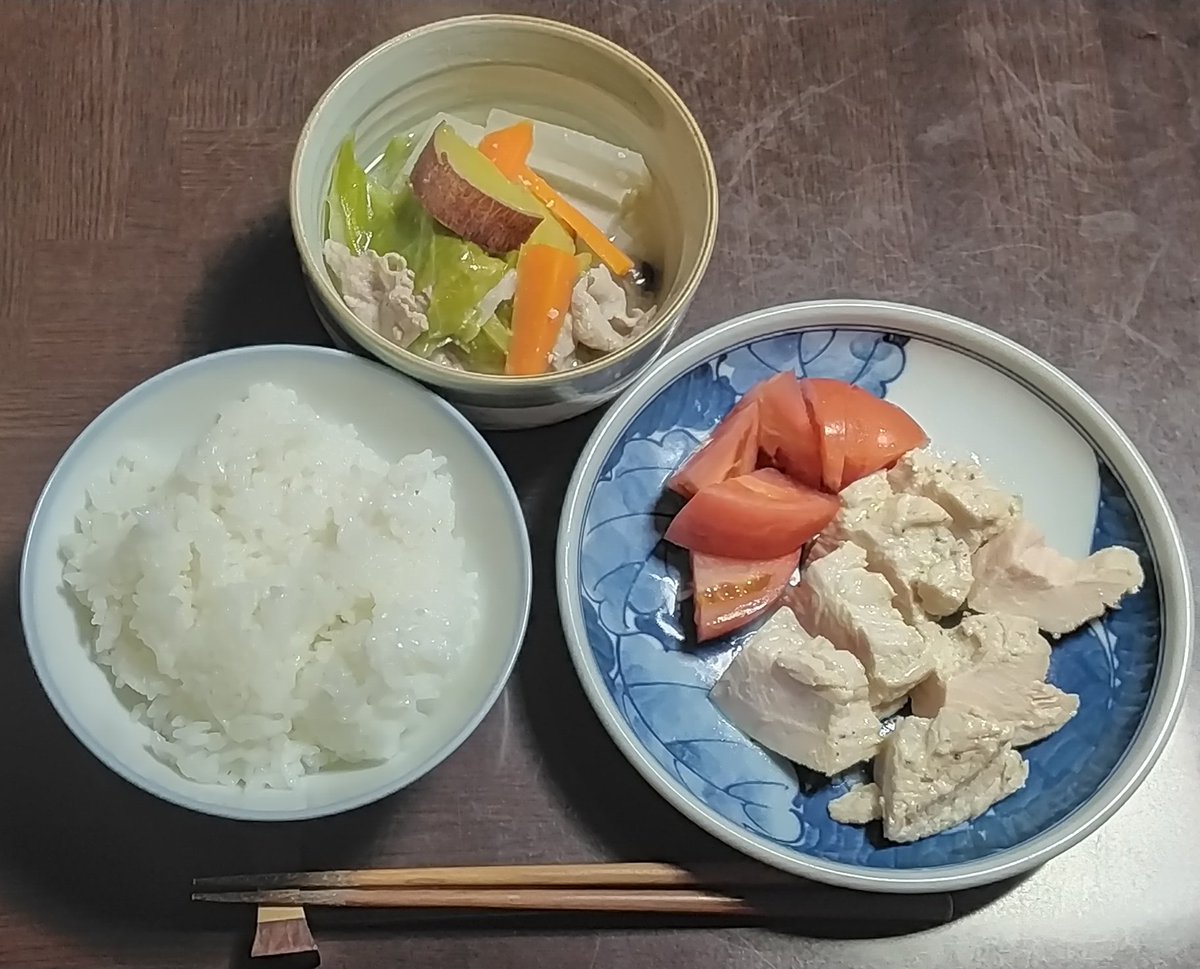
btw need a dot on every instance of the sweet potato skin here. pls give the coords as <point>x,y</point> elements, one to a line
<point>465,210</point>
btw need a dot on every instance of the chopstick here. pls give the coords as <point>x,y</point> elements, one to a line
<point>525,899</point>
<point>620,875</point>
<point>632,888</point>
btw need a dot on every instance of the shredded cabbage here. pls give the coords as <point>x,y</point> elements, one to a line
<point>378,211</point>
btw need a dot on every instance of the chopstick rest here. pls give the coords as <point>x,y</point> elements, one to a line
<point>283,931</point>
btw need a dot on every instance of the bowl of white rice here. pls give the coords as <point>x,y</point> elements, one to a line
<point>275,583</point>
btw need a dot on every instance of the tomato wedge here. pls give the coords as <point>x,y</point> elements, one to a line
<point>826,408</point>
<point>787,437</point>
<point>860,433</point>
<point>760,515</point>
<point>729,593</point>
<point>731,450</point>
<point>878,437</point>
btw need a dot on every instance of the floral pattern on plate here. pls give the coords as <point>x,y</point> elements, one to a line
<point>638,632</point>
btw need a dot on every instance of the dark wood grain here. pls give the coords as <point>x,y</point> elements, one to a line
<point>1031,165</point>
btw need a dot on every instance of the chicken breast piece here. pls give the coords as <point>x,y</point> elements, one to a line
<point>840,599</point>
<point>379,291</point>
<point>1019,574</point>
<point>858,501</point>
<point>935,774</point>
<point>800,697</point>
<point>994,668</point>
<point>988,638</point>
<point>864,496</point>
<point>887,703</point>
<point>908,541</point>
<point>978,509</point>
<point>859,805</point>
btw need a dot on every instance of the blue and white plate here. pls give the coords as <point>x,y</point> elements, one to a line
<point>975,393</point>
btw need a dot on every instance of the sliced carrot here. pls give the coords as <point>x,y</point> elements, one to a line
<point>508,148</point>
<point>583,227</point>
<point>545,277</point>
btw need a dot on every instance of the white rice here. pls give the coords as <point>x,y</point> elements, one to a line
<point>281,599</point>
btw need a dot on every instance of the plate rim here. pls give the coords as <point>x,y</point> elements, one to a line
<point>1040,377</point>
<point>136,395</point>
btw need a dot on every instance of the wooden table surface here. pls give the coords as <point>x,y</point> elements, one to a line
<point>1034,166</point>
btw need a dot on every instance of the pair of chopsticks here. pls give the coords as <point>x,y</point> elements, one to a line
<point>635,887</point>
<point>630,888</point>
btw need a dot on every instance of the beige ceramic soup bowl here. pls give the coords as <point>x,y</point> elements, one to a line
<point>550,71</point>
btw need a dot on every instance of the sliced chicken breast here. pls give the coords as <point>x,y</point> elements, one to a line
<point>935,774</point>
<point>1019,574</point>
<point>908,541</point>
<point>979,510</point>
<point>839,599</point>
<point>859,805</point>
<point>800,697</point>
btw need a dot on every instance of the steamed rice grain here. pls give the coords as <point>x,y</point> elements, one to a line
<point>280,599</point>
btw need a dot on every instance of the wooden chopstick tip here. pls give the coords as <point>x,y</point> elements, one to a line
<point>282,931</point>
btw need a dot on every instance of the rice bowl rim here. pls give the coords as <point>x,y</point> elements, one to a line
<point>36,538</point>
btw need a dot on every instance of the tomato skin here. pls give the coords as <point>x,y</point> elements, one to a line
<point>881,436</point>
<point>755,394</point>
<point>825,408</point>
<point>729,593</point>
<point>761,515</point>
<point>745,528</point>
<point>788,439</point>
<point>731,450</point>
<point>860,433</point>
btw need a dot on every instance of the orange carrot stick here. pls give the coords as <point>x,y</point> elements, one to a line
<point>576,221</point>
<point>545,276</point>
<point>508,148</point>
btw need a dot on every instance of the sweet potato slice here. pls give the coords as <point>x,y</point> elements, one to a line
<point>468,194</point>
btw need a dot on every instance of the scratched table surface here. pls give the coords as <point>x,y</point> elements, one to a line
<point>1033,166</point>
